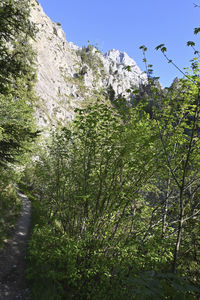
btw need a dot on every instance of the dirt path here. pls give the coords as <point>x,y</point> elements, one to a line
<point>12,263</point>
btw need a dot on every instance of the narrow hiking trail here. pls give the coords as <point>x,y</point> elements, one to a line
<point>12,257</point>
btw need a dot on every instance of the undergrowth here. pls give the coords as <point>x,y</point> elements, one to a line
<point>9,210</point>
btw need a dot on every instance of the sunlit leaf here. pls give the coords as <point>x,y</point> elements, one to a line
<point>190,43</point>
<point>159,46</point>
<point>196,30</point>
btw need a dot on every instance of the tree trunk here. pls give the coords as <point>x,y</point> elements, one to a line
<point>179,233</point>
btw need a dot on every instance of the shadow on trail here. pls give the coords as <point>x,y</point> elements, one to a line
<point>12,257</point>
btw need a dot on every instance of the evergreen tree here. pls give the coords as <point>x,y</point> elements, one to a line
<point>17,126</point>
<point>17,77</point>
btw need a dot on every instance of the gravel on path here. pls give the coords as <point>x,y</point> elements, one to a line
<point>12,257</point>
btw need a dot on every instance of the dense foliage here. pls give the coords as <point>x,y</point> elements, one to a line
<point>115,193</point>
<point>17,77</point>
<point>118,202</point>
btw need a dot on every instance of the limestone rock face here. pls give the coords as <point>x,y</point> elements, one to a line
<point>69,76</point>
<point>118,76</point>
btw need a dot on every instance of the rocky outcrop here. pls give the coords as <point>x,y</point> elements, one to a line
<point>69,76</point>
<point>119,77</point>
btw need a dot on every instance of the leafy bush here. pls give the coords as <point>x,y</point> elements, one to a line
<point>62,268</point>
<point>107,222</point>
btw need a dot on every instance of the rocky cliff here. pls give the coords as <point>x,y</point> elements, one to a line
<point>69,76</point>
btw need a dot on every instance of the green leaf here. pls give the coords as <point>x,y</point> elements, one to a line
<point>163,49</point>
<point>196,30</point>
<point>143,47</point>
<point>128,68</point>
<point>159,46</point>
<point>190,43</point>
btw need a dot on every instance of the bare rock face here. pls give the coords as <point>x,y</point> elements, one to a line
<point>118,76</point>
<point>69,76</point>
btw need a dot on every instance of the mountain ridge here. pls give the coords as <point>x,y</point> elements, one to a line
<point>69,76</point>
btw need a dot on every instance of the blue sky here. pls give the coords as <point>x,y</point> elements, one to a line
<point>128,24</point>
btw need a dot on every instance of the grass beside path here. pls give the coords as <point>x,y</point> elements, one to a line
<point>10,204</point>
